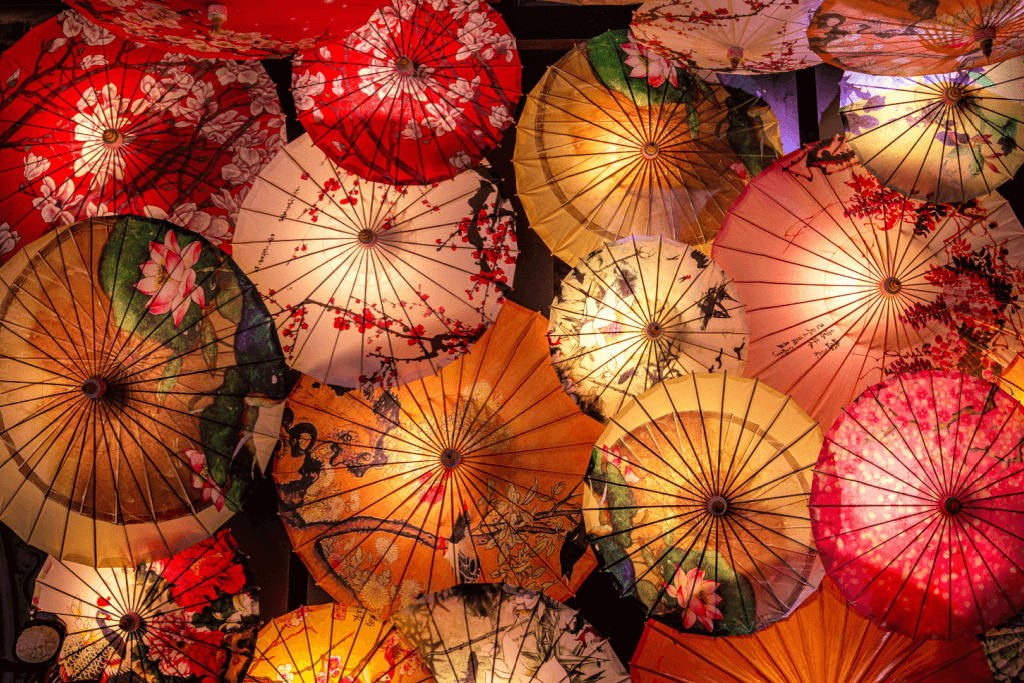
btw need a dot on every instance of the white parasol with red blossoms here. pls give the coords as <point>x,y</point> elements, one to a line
<point>91,125</point>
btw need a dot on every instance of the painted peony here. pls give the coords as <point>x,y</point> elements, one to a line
<point>697,598</point>
<point>169,278</point>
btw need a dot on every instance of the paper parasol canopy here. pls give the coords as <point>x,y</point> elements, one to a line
<point>497,633</point>
<point>371,284</point>
<point>846,282</point>
<point>900,38</point>
<point>231,30</point>
<point>918,504</point>
<point>190,619</point>
<point>737,36</point>
<point>946,138</point>
<point>640,311</point>
<point>93,125</point>
<point>1004,649</point>
<point>696,503</point>
<point>335,643</point>
<point>823,641</point>
<point>142,385</point>
<point>612,144</point>
<point>473,474</point>
<point>417,95</point>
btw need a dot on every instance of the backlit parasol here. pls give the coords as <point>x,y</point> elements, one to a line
<point>233,29</point>
<point>945,138</point>
<point>142,384</point>
<point>495,633</point>
<point>612,143</point>
<point>847,282</point>
<point>190,619</point>
<point>696,502</point>
<point>417,95</point>
<point>334,644</point>
<point>639,311</point>
<point>738,36</point>
<point>900,38</point>
<point>1004,649</point>
<point>92,125</point>
<point>370,283</point>
<point>918,504</point>
<point>470,475</point>
<point>824,641</point>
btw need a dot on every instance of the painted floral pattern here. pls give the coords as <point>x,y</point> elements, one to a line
<point>736,36</point>
<point>1004,649</point>
<point>155,320</point>
<point>945,138</point>
<point>370,503</point>
<point>696,503</point>
<point>190,619</point>
<point>96,125</point>
<point>436,265</point>
<point>417,95</point>
<point>911,458</point>
<point>496,632</point>
<point>640,311</point>
<point>240,29</point>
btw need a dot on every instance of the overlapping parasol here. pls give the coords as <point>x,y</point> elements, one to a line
<point>417,95</point>
<point>824,641</point>
<point>613,143</point>
<point>946,138</point>
<point>1004,649</point>
<point>229,30</point>
<point>370,284</point>
<point>899,38</point>
<point>496,632</point>
<point>473,474</point>
<point>917,504</point>
<point>142,384</point>
<point>696,503</point>
<point>335,643</point>
<point>846,282</point>
<point>640,311</point>
<point>738,36</point>
<point>190,619</point>
<point>91,125</point>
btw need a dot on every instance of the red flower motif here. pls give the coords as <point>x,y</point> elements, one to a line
<point>204,572</point>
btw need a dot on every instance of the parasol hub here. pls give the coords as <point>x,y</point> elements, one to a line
<point>735,55</point>
<point>217,14</point>
<point>130,622</point>
<point>952,505</point>
<point>986,38</point>
<point>718,506</point>
<point>650,150</point>
<point>94,388</point>
<point>367,236</point>
<point>450,458</point>
<point>112,137</point>
<point>654,330</point>
<point>405,65</point>
<point>892,286</point>
<point>952,95</point>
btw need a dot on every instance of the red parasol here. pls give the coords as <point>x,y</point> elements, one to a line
<point>416,96</point>
<point>92,125</point>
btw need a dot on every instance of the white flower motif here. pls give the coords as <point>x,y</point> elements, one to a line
<point>463,90</point>
<point>74,25</point>
<point>103,126</point>
<point>56,204</point>
<point>35,166</point>
<point>440,117</point>
<point>460,160</point>
<point>500,117</point>
<point>306,86</point>
<point>412,131</point>
<point>215,229</point>
<point>246,73</point>
<point>92,60</point>
<point>8,238</point>
<point>475,37</point>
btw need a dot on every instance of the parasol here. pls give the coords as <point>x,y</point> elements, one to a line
<point>470,475</point>
<point>141,386</point>
<point>191,619</point>
<point>613,143</point>
<point>945,138</point>
<point>230,30</point>
<point>1004,649</point>
<point>738,36</point>
<point>824,641</point>
<point>696,503</point>
<point>496,632</point>
<point>416,96</point>
<point>334,644</point>
<point>900,38</point>
<point>917,502</point>
<point>370,284</point>
<point>846,282</point>
<point>92,125</point>
<point>640,311</point>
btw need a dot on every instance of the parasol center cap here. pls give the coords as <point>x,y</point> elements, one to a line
<point>735,55</point>
<point>650,150</point>
<point>952,95</point>
<point>405,65</point>
<point>130,622</point>
<point>94,388</point>
<point>112,137</point>
<point>367,236</point>
<point>952,505</point>
<point>892,285</point>
<point>217,14</point>
<point>654,330</point>
<point>450,457</point>
<point>718,506</point>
